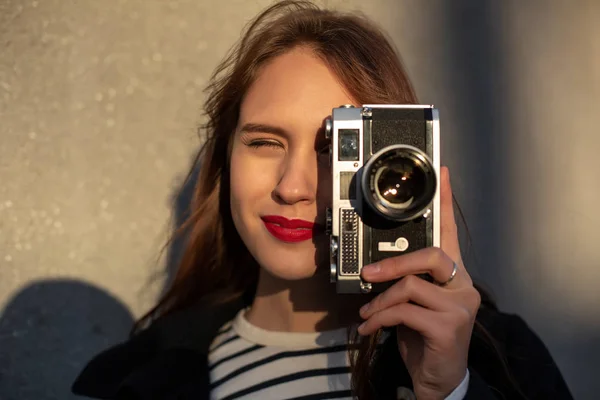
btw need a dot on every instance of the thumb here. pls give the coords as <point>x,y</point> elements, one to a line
<point>448,229</point>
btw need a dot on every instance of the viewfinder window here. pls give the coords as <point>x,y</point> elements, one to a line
<point>348,146</point>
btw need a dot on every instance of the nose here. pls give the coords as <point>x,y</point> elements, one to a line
<point>298,179</point>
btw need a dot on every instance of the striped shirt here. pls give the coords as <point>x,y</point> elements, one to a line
<point>247,362</point>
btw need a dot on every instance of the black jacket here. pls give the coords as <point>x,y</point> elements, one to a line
<point>168,361</point>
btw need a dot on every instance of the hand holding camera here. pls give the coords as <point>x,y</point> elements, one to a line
<point>434,320</point>
<point>393,231</point>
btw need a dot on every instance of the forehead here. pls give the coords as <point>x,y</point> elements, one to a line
<point>296,88</point>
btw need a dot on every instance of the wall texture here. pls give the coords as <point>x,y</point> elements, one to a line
<point>99,103</point>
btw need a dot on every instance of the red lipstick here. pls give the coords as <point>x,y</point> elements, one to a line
<point>289,230</point>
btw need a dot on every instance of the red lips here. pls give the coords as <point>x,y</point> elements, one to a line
<point>289,230</point>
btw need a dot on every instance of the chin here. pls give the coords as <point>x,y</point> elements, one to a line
<point>289,267</point>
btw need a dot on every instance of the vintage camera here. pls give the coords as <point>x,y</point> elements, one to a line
<point>385,162</point>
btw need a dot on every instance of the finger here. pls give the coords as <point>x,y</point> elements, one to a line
<point>413,316</point>
<point>448,230</point>
<point>432,260</point>
<point>410,288</point>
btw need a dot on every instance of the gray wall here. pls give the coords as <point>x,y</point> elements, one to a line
<point>99,103</point>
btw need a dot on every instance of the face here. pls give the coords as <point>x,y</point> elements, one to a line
<point>280,176</point>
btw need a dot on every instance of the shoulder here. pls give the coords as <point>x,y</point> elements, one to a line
<point>225,334</point>
<point>160,361</point>
<point>508,357</point>
<point>508,334</point>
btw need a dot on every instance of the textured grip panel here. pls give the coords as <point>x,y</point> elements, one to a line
<point>349,245</point>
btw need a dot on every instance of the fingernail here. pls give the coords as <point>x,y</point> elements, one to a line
<point>372,268</point>
<point>360,327</point>
<point>364,308</point>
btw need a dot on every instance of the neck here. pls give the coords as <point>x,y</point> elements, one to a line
<point>307,305</point>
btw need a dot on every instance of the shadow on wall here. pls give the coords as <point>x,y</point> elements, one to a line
<point>49,331</point>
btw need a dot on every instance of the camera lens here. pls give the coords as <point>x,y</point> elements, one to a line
<point>399,182</point>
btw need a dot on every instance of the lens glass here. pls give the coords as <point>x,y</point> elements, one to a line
<point>399,182</point>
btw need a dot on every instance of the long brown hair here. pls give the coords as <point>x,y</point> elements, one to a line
<point>215,265</point>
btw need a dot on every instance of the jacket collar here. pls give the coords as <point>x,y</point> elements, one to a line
<point>162,362</point>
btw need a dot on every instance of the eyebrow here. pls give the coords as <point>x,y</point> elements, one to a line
<point>276,130</point>
<point>263,128</point>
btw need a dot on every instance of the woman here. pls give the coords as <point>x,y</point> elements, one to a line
<point>251,313</point>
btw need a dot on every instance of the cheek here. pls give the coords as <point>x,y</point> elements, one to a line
<point>250,183</point>
<point>238,189</point>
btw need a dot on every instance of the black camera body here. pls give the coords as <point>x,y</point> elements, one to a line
<point>385,161</point>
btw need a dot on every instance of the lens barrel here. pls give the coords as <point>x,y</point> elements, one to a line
<point>399,182</point>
